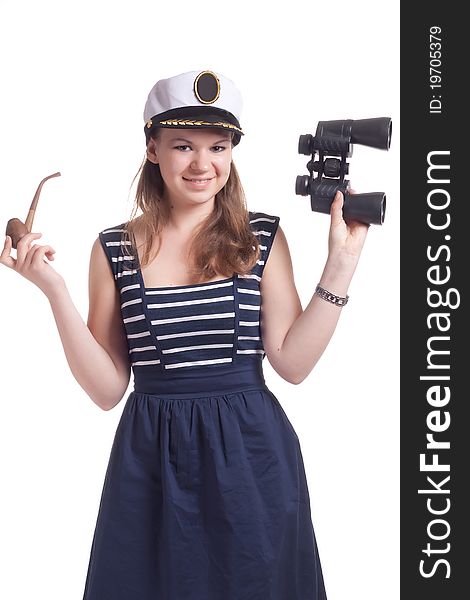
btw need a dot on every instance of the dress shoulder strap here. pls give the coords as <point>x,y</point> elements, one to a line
<point>119,251</point>
<point>264,226</point>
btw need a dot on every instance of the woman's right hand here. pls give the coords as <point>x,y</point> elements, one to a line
<point>30,262</point>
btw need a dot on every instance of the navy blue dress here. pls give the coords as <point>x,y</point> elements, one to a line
<point>205,495</point>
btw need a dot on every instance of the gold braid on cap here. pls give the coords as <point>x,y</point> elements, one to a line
<point>177,122</point>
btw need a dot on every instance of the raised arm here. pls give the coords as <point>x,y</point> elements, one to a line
<point>97,353</point>
<point>294,339</point>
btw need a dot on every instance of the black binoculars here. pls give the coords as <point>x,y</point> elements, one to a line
<point>335,139</point>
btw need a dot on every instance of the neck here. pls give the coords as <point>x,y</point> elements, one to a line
<point>184,219</point>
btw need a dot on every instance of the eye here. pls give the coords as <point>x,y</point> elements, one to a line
<point>218,148</point>
<point>182,148</point>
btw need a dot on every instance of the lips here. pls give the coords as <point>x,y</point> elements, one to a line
<point>198,180</point>
<point>198,183</point>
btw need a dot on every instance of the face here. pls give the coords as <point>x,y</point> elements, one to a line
<point>195,164</point>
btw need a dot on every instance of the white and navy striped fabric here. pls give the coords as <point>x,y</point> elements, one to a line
<point>190,326</point>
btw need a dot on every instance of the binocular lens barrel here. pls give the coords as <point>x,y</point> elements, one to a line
<point>367,208</point>
<point>376,133</point>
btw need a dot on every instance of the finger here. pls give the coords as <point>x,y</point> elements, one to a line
<point>357,225</point>
<point>358,231</point>
<point>35,255</point>
<point>5,257</point>
<point>38,253</point>
<point>336,210</point>
<point>23,246</point>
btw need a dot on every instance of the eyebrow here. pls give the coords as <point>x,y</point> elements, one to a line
<point>179,139</point>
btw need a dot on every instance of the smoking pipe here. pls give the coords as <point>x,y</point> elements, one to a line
<point>16,229</point>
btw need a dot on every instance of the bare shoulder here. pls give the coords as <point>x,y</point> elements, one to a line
<point>280,302</point>
<point>278,258</point>
<point>99,263</point>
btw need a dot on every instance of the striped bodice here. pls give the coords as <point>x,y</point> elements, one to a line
<point>189,326</point>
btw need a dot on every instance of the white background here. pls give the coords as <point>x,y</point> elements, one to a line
<point>75,77</point>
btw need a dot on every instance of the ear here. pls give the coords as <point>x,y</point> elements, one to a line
<point>152,152</point>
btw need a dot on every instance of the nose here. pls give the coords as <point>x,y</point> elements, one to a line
<point>200,162</point>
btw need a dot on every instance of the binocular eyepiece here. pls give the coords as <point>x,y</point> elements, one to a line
<point>333,141</point>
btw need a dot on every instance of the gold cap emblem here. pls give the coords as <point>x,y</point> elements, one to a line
<point>207,87</point>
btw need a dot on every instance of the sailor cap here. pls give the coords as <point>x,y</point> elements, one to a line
<point>192,100</point>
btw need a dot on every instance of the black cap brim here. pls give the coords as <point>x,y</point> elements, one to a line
<point>195,117</point>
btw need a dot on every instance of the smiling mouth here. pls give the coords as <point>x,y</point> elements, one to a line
<point>198,180</point>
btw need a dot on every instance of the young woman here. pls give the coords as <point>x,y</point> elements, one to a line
<point>205,496</point>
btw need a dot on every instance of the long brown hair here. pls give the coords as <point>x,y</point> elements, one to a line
<point>222,244</point>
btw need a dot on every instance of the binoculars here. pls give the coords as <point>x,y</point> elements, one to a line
<point>333,141</point>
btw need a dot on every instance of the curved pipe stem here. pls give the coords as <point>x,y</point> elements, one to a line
<point>34,203</point>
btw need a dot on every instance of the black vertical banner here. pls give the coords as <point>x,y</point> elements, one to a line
<point>435,267</point>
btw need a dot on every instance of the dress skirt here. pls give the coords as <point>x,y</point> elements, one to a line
<point>205,496</point>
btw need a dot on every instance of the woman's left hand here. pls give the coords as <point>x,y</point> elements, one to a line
<point>346,239</point>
